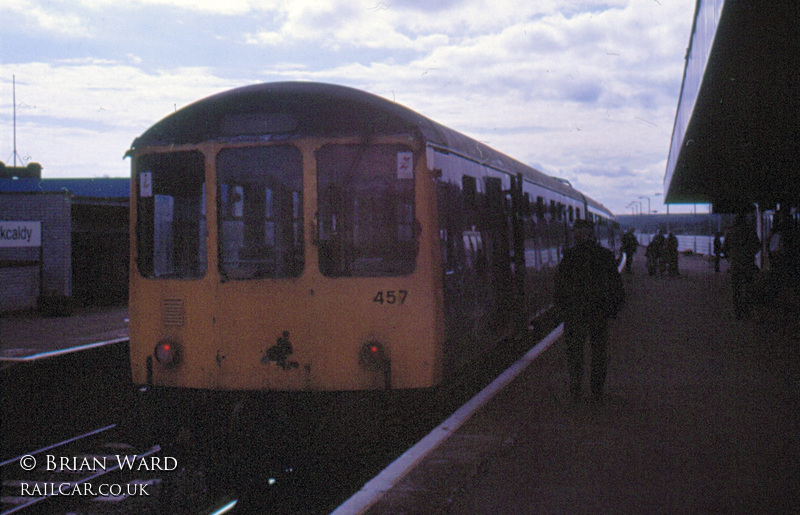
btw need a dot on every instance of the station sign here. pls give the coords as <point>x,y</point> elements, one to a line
<point>20,234</point>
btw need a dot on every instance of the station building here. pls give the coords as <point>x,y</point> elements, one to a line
<point>63,242</point>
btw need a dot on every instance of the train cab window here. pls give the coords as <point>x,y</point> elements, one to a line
<point>366,225</point>
<point>260,212</point>
<point>171,215</point>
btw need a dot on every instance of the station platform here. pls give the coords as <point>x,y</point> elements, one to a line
<point>29,336</point>
<point>702,415</point>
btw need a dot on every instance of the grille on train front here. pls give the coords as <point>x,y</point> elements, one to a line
<point>172,312</point>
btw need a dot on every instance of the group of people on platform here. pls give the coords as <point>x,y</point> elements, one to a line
<point>589,290</point>
<point>739,246</point>
<point>661,253</point>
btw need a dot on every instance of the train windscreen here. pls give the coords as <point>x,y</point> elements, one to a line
<point>366,210</point>
<point>171,215</point>
<point>260,211</point>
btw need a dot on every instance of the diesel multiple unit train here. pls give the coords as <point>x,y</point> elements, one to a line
<point>312,237</point>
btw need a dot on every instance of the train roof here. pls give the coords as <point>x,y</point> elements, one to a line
<point>289,109</point>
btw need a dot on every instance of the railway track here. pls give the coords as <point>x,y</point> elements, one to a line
<point>99,472</point>
<point>95,472</point>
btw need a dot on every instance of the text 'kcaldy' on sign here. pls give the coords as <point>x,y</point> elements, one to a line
<point>20,234</point>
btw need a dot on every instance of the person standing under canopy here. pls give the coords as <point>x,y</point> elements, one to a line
<point>740,247</point>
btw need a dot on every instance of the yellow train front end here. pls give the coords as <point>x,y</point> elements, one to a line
<point>303,264</point>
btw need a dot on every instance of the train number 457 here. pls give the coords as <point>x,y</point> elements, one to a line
<point>391,297</point>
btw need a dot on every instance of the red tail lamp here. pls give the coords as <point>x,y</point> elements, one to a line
<point>372,356</point>
<point>168,353</point>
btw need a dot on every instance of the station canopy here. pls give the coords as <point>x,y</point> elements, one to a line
<point>736,138</point>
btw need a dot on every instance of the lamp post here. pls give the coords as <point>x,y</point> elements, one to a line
<point>658,195</point>
<point>648,203</point>
<point>640,206</point>
<point>647,220</point>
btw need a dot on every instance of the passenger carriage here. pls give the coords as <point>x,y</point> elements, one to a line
<point>313,237</point>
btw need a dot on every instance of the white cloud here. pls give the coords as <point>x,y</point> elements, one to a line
<point>54,17</point>
<point>226,7</point>
<point>587,90</point>
<point>86,125</point>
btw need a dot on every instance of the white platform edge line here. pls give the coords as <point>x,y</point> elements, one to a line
<point>372,491</point>
<point>61,352</point>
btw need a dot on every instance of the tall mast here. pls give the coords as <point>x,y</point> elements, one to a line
<point>14,97</point>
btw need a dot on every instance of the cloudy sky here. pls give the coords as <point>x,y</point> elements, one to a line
<point>581,89</point>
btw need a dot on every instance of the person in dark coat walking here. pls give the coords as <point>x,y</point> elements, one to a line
<point>654,253</point>
<point>671,254</point>
<point>629,246</point>
<point>588,290</point>
<point>717,251</point>
<point>740,247</point>
<point>662,255</point>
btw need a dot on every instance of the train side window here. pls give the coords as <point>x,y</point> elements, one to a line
<point>366,225</point>
<point>450,224</point>
<point>171,215</point>
<point>540,209</point>
<point>259,196</point>
<point>470,191</point>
